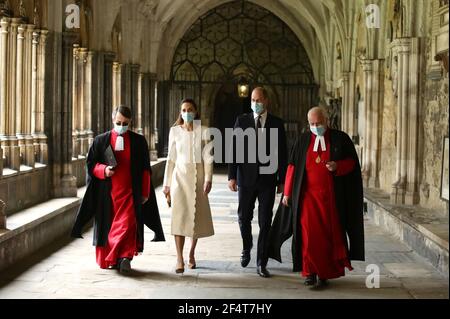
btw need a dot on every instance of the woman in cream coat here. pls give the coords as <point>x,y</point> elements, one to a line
<point>188,181</point>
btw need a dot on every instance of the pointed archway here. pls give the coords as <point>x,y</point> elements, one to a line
<point>237,40</point>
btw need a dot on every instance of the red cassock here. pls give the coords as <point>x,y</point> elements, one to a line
<point>324,247</point>
<point>122,240</point>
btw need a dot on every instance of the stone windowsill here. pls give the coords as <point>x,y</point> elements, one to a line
<point>33,216</point>
<point>7,172</point>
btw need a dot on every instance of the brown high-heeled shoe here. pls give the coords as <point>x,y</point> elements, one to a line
<point>192,265</point>
<point>178,269</point>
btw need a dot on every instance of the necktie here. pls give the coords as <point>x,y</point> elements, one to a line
<point>258,125</point>
<point>258,129</point>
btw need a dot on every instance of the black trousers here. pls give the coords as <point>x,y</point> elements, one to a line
<point>247,198</point>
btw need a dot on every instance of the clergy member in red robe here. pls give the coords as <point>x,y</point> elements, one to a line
<point>324,188</point>
<point>120,215</point>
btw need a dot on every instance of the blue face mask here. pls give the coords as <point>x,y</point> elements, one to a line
<point>120,129</point>
<point>318,130</point>
<point>258,108</point>
<point>188,117</point>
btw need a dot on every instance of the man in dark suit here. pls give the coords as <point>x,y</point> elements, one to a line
<point>256,179</point>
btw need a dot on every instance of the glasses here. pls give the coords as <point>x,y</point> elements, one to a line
<point>121,124</point>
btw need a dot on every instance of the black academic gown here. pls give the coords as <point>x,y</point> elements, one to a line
<point>349,199</point>
<point>97,201</point>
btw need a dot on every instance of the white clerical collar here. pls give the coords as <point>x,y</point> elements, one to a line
<point>120,144</point>
<point>320,140</point>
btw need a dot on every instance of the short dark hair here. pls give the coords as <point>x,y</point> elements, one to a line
<point>124,110</point>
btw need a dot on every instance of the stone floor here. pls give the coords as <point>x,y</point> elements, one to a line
<point>67,269</point>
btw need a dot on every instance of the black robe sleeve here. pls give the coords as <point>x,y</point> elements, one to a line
<point>354,199</point>
<point>151,217</point>
<point>282,155</point>
<point>88,207</point>
<point>282,228</point>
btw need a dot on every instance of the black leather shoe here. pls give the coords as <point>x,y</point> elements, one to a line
<point>322,283</point>
<point>245,258</point>
<point>263,272</point>
<point>311,280</point>
<point>125,266</point>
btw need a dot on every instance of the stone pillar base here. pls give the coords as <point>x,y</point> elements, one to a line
<point>366,179</point>
<point>84,145</point>
<point>68,186</point>
<point>29,155</point>
<point>43,153</point>
<point>374,182</point>
<point>397,195</point>
<point>12,154</point>
<point>76,147</point>
<point>2,215</point>
<point>1,161</point>
<point>15,158</point>
<point>412,198</point>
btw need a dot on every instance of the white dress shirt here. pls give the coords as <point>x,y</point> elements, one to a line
<point>263,119</point>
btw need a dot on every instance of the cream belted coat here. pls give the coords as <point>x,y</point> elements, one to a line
<point>188,167</point>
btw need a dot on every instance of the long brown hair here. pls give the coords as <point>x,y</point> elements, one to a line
<point>180,120</point>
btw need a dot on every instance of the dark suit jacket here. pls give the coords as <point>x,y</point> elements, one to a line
<point>247,174</point>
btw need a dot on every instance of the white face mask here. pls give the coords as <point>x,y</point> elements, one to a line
<point>318,130</point>
<point>120,129</point>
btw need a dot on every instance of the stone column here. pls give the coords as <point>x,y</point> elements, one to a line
<point>141,88</point>
<point>81,96</point>
<point>366,165</point>
<point>402,48</point>
<point>373,99</point>
<point>88,101</point>
<point>416,71</point>
<point>117,80</point>
<point>405,189</point>
<point>68,182</point>
<point>4,30</point>
<point>348,104</point>
<point>105,95</point>
<point>20,98</point>
<point>345,103</point>
<point>153,117</point>
<point>28,97</point>
<point>2,215</point>
<point>34,94</point>
<point>40,118</point>
<point>75,103</point>
<point>377,108</point>
<point>129,85</point>
<point>13,150</point>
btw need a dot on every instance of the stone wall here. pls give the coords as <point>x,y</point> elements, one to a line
<point>435,127</point>
<point>25,189</point>
<point>388,141</point>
